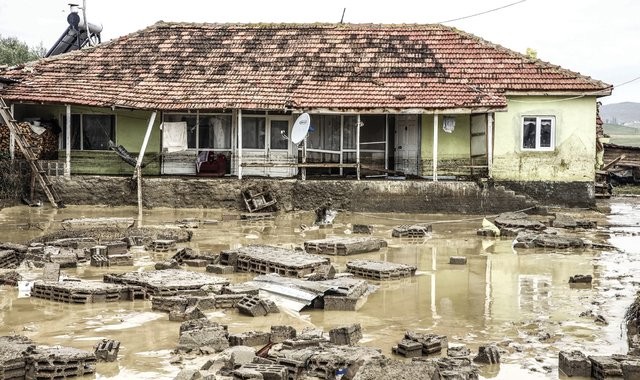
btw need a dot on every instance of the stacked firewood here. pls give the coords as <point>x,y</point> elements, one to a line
<point>45,145</point>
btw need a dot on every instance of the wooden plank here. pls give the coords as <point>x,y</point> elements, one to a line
<point>615,161</point>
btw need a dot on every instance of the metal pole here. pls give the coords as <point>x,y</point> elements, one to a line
<point>67,165</point>
<point>86,23</point>
<point>341,143</point>
<point>490,144</point>
<point>358,147</point>
<point>12,137</point>
<point>435,147</point>
<point>239,144</point>
<point>303,172</point>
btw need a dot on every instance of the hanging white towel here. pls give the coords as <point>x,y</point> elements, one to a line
<point>174,136</point>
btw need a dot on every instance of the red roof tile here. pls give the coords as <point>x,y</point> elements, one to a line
<point>172,66</point>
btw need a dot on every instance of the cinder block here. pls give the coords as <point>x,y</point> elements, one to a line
<point>458,260</point>
<point>281,333</point>
<point>346,335</point>
<point>574,363</point>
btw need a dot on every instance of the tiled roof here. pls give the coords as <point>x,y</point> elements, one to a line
<point>170,66</point>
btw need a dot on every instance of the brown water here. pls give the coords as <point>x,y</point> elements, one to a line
<point>518,299</point>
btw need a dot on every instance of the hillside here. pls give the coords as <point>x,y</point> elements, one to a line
<point>619,113</point>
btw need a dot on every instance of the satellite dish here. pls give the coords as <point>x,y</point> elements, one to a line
<point>300,128</point>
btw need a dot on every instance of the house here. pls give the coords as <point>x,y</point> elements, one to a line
<point>429,101</point>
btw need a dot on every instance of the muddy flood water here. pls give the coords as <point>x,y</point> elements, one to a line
<point>519,299</point>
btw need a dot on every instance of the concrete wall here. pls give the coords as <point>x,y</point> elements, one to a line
<point>454,149</point>
<point>572,160</point>
<point>367,196</point>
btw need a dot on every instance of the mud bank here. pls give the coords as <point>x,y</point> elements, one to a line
<point>367,195</point>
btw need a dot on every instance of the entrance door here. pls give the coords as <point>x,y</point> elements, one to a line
<point>279,148</point>
<point>407,144</point>
<point>478,142</point>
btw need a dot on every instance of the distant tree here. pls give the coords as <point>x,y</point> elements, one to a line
<point>14,52</point>
<point>532,53</point>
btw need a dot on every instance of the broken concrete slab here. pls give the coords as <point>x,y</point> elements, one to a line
<point>281,333</point>
<point>202,335</point>
<point>604,367</point>
<point>487,355</point>
<point>322,273</point>
<point>342,246</point>
<point>408,348</point>
<point>380,270</point>
<point>188,314</point>
<point>384,368</point>
<point>166,282</point>
<point>51,272</point>
<point>574,363</point>
<point>518,220</point>
<point>241,288</point>
<point>569,222</point>
<point>362,229</point>
<point>411,231</point>
<point>97,223</point>
<point>80,291</point>
<point>190,257</point>
<point>266,259</point>
<point>529,240</point>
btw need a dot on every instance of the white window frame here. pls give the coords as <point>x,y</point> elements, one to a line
<point>539,119</point>
<point>199,114</point>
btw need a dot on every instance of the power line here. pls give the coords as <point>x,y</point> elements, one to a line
<point>482,13</point>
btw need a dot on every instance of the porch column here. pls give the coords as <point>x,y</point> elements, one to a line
<point>490,144</point>
<point>67,165</point>
<point>12,138</point>
<point>358,147</point>
<point>386,142</point>
<point>435,147</point>
<point>239,153</point>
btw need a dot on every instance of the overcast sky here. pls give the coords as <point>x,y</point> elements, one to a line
<point>598,38</point>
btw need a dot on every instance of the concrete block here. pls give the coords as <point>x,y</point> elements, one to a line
<point>252,306</point>
<point>250,338</point>
<point>458,260</point>
<point>362,229</point>
<point>281,333</point>
<point>346,335</point>
<point>487,355</point>
<point>107,350</point>
<point>220,269</point>
<point>574,363</point>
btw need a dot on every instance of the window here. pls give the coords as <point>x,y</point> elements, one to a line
<point>538,132</point>
<point>90,132</point>
<point>205,131</point>
<point>253,132</point>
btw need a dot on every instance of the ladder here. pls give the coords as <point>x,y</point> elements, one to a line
<point>29,155</point>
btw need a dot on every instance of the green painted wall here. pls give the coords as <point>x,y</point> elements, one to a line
<point>454,149</point>
<point>573,158</point>
<point>131,126</point>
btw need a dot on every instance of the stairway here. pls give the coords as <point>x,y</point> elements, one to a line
<point>30,156</point>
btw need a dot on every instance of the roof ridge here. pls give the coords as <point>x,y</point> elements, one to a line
<point>559,69</point>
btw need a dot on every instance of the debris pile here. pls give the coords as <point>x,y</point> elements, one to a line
<point>411,231</point>
<point>265,259</point>
<point>21,358</point>
<point>416,344</point>
<point>80,292</point>
<point>166,282</point>
<point>380,270</point>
